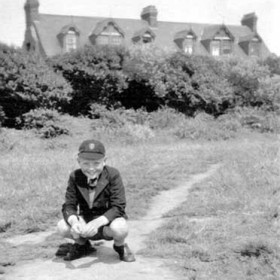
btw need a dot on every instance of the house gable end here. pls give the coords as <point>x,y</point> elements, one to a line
<point>107,32</point>
<point>101,26</point>
<point>218,40</point>
<point>68,37</point>
<point>185,40</point>
<point>216,31</point>
<point>65,29</point>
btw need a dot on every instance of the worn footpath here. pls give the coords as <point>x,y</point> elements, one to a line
<point>104,264</point>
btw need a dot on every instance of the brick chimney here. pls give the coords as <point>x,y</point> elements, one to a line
<point>31,8</point>
<point>149,14</point>
<point>250,20</point>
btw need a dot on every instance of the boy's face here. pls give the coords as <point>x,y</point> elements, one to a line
<point>92,168</point>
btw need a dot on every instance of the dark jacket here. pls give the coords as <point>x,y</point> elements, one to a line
<point>109,198</point>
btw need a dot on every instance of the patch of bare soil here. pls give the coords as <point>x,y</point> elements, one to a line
<point>104,263</point>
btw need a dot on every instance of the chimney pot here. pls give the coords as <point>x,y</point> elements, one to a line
<point>149,14</point>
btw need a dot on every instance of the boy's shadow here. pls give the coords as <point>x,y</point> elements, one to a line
<point>103,254</point>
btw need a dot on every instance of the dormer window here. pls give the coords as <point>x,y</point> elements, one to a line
<point>147,38</point>
<point>69,38</point>
<point>109,36</point>
<point>107,32</point>
<point>251,44</point>
<point>218,40</point>
<point>185,40</point>
<point>188,44</point>
<point>221,45</point>
<point>144,36</point>
<point>70,41</point>
<point>254,48</point>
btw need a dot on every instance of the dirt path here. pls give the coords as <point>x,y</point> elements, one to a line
<point>104,264</point>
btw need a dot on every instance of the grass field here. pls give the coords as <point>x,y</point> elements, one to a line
<point>227,228</point>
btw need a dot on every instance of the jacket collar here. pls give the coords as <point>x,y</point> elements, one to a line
<point>101,183</point>
<point>82,184</point>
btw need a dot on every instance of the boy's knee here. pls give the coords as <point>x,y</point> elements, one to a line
<point>63,228</point>
<point>119,227</point>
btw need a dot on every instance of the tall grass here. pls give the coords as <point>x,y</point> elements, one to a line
<point>227,228</point>
<point>34,173</point>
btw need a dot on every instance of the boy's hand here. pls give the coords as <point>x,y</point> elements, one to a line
<point>77,226</point>
<point>92,227</point>
<point>72,220</point>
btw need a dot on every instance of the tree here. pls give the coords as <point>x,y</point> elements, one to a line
<point>27,82</point>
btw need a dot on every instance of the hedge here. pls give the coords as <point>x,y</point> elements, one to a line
<point>27,82</point>
<point>140,77</point>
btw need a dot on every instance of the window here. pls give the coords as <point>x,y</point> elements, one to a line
<point>143,36</point>
<point>103,40</point>
<point>226,46</point>
<point>221,46</point>
<point>147,38</point>
<point>188,44</point>
<point>109,36</point>
<point>254,48</point>
<point>70,41</point>
<point>215,48</point>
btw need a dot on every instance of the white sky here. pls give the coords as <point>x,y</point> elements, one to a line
<point>12,17</point>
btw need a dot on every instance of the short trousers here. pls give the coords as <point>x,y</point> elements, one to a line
<point>100,235</point>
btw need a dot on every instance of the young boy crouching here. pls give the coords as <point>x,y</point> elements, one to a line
<point>94,207</point>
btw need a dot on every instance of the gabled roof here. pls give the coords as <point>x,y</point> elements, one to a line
<point>68,27</point>
<point>184,33</point>
<point>49,26</point>
<point>211,31</point>
<point>100,26</point>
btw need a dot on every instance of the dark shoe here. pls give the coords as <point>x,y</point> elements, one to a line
<point>63,249</point>
<point>78,251</point>
<point>125,253</point>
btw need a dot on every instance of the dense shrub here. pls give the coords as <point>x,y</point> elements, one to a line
<point>206,127</point>
<point>47,123</point>
<point>2,115</point>
<point>116,118</point>
<point>186,83</point>
<point>26,82</point>
<point>126,125</point>
<point>273,63</point>
<point>165,118</point>
<point>245,77</point>
<point>94,74</point>
<point>133,82</point>
<point>268,94</point>
<point>144,69</point>
<point>258,119</point>
<point>212,92</point>
<point>149,77</point>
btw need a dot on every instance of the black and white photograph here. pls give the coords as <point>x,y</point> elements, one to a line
<point>139,140</point>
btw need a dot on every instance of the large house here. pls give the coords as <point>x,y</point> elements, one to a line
<point>56,34</point>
